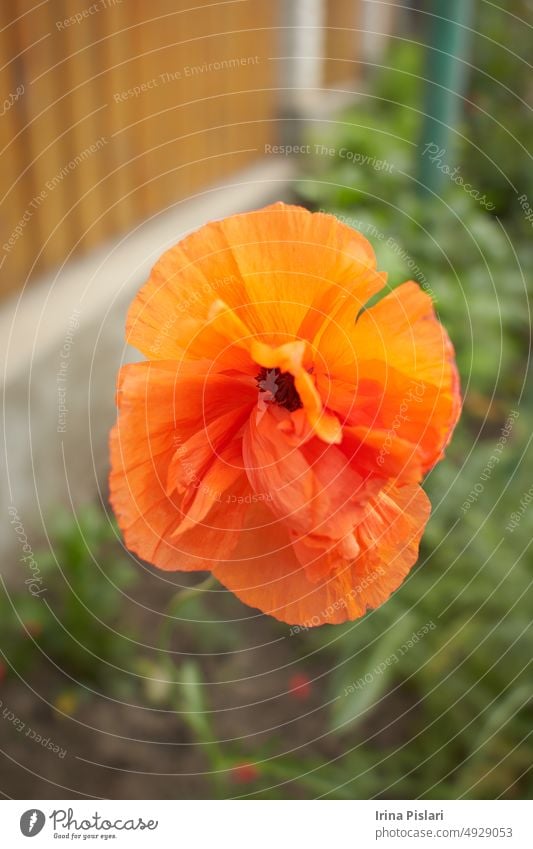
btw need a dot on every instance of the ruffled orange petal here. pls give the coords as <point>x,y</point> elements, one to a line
<point>173,305</point>
<point>405,385</point>
<point>294,263</point>
<point>225,475</point>
<point>163,413</point>
<point>375,451</point>
<point>280,268</point>
<point>312,488</point>
<point>265,573</point>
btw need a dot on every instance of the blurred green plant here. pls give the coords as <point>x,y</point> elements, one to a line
<point>496,149</point>
<point>74,623</point>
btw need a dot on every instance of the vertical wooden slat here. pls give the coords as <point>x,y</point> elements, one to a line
<point>47,142</point>
<point>119,52</point>
<point>13,257</point>
<point>84,103</point>
<point>342,43</point>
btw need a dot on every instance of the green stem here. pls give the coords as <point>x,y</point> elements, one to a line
<point>179,599</point>
<point>188,698</point>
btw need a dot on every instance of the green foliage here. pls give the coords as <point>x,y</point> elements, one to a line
<point>74,621</point>
<point>497,148</point>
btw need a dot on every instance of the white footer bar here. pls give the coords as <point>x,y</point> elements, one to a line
<point>256,824</point>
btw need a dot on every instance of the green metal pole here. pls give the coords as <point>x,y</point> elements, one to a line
<point>447,44</point>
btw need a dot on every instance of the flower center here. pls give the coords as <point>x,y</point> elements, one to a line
<point>280,384</point>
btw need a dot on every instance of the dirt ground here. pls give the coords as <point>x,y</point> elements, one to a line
<point>96,742</point>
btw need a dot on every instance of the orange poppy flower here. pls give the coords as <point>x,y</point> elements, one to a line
<point>280,427</point>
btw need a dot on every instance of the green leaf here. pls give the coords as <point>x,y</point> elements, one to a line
<point>371,680</point>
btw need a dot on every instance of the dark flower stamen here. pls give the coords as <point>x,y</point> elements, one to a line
<point>281,386</point>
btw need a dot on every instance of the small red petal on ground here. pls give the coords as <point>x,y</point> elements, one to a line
<point>300,686</point>
<point>33,629</point>
<point>245,773</point>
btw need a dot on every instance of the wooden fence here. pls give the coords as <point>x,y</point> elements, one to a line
<point>114,110</point>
